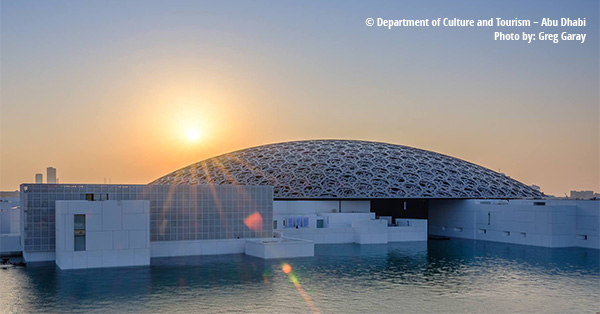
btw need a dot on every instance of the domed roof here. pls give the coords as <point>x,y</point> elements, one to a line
<point>325,169</point>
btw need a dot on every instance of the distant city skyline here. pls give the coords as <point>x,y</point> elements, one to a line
<point>134,90</point>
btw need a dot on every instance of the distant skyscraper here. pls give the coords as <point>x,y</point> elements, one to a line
<point>50,175</point>
<point>39,178</point>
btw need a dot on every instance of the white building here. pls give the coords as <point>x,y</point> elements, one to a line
<point>10,224</point>
<point>302,193</point>
<point>582,195</point>
<point>548,223</point>
<point>102,234</point>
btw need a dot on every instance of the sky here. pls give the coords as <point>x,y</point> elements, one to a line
<point>110,89</point>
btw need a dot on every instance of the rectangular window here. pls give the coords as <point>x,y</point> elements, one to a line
<point>89,197</point>
<point>79,232</point>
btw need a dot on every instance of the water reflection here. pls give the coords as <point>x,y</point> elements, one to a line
<point>447,276</point>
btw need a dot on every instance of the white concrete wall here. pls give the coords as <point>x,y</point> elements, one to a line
<point>317,207</point>
<point>15,221</point>
<point>408,230</point>
<point>304,207</point>
<point>279,248</point>
<point>117,234</point>
<point>10,243</point>
<point>5,221</point>
<point>344,220</point>
<point>370,231</point>
<point>360,210</point>
<point>587,222</point>
<point>10,227</point>
<point>363,229</point>
<point>322,236</point>
<point>559,223</point>
<point>197,247</point>
<point>32,257</point>
<point>330,220</point>
<point>312,220</point>
<point>10,215</point>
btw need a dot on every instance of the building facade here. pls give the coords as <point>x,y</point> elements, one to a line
<point>177,213</point>
<point>324,191</point>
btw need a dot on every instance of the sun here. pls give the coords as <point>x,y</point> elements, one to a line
<point>193,134</point>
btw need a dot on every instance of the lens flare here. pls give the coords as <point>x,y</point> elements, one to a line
<point>254,222</point>
<point>265,276</point>
<point>287,268</point>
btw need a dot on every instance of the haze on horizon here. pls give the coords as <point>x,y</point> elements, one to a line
<point>134,90</point>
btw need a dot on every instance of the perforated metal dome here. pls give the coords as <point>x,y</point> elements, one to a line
<point>325,169</point>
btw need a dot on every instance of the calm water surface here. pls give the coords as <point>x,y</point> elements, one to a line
<point>454,276</point>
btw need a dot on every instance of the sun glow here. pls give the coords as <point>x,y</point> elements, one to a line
<point>193,134</point>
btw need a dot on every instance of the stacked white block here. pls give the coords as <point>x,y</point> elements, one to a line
<point>10,224</point>
<point>10,243</point>
<point>547,223</point>
<point>117,234</point>
<point>370,231</point>
<point>408,230</point>
<point>268,248</point>
<point>322,235</point>
<point>361,228</point>
<point>197,247</point>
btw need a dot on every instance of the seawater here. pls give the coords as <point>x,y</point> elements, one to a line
<point>454,276</point>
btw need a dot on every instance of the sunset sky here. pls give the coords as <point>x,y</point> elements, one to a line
<point>132,90</point>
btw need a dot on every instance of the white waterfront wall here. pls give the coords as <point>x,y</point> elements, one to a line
<point>363,231</point>
<point>10,225</point>
<point>197,247</point>
<point>10,243</point>
<point>354,223</point>
<point>322,235</point>
<point>117,234</point>
<point>326,210</point>
<point>268,248</point>
<point>316,207</point>
<point>10,215</point>
<point>370,231</point>
<point>408,230</point>
<point>547,223</point>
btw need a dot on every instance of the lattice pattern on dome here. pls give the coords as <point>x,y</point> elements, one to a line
<point>351,169</point>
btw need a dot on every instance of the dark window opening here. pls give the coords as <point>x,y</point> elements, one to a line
<point>79,232</point>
